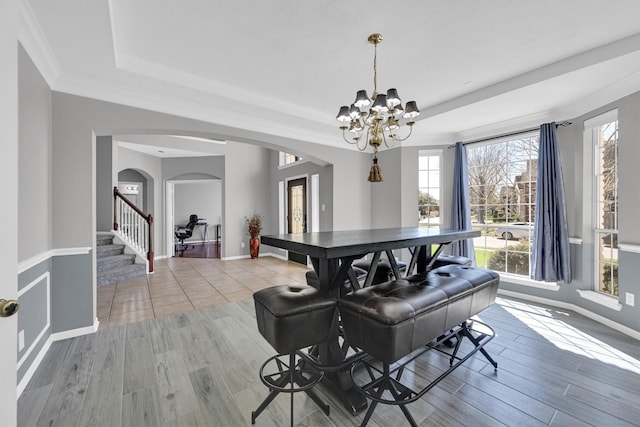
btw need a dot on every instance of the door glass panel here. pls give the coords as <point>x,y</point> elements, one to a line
<point>297,209</point>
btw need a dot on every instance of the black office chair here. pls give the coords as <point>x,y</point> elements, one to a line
<point>185,231</point>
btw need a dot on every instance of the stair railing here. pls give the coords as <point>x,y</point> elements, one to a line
<point>133,225</point>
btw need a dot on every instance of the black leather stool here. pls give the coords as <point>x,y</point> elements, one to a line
<point>292,317</point>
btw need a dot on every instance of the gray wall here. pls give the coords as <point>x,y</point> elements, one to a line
<point>246,191</point>
<point>106,161</point>
<point>386,196</point>
<point>34,161</point>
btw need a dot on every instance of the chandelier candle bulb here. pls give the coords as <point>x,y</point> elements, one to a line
<point>378,119</point>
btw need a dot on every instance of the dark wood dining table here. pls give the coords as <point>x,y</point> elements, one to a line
<point>332,253</point>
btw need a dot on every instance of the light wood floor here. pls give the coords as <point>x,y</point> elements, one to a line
<point>200,368</point>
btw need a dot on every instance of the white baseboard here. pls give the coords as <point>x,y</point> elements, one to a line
<point>34,366</point>
<point>58,336</point>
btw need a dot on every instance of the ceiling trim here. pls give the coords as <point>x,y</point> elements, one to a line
<point>573,63</point>
<point>151,70</point>
<point>134,97</point>
<point>602,96</point>
<point>32,39</point>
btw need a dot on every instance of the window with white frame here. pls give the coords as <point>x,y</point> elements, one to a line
<point>429,165</point>
<point>288,159</point>
<point>502,193</point>
<point>601,142</point>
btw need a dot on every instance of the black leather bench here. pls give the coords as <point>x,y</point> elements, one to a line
<point>391,320</point>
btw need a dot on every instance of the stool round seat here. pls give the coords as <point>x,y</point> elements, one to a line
<point>291,317</point>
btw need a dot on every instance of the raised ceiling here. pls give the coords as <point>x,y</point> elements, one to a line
<point>283,68</point>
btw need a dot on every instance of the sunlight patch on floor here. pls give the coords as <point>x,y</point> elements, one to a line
<point>550,324</point>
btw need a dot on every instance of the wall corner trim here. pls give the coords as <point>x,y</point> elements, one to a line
<point>37,259</point>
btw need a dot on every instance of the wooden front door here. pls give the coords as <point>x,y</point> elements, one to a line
<point>297,213</point>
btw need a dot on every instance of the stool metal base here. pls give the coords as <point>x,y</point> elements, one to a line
<point>292,376</point>
<point>385,385</point>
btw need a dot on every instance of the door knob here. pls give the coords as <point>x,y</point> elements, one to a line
<point>8,307</point>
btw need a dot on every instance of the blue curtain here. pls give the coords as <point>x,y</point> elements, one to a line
<point>460,206</point>
<point>550,259</point>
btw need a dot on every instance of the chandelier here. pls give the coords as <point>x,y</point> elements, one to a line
<point>376,120</point>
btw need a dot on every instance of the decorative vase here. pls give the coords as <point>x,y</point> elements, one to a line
<point>254,247</point>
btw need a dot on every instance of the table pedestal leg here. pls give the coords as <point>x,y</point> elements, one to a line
<point>338,383</point>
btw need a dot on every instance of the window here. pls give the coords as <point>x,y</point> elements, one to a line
<point>601,134</point>
<point>502,190</point>
<point>429,188</point>
<point>288,159</point>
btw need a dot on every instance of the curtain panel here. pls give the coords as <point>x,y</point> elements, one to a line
<point>550,257</point>
<point>460,205</point>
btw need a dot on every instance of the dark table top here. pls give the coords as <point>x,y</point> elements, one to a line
<point>337,244</point>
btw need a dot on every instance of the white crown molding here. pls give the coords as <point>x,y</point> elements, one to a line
<point>151,70</point>
<point>602,96</point>
<point>499,128</point>
<point>565,66</point>
<point>182,107</point>
<point>35,44</point>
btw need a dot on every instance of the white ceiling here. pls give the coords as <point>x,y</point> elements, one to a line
<point>284,68</point>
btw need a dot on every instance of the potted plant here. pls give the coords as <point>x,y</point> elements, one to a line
<point>254,226</point>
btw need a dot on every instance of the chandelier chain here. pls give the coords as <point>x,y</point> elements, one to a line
<point>375,70</point>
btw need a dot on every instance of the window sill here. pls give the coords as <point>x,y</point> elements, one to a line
<point>525,281</point>
<point>280,167</point>
<point>598,298</point>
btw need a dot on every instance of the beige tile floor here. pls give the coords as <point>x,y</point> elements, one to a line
<point>184,284</point>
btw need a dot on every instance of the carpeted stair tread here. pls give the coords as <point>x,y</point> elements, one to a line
<point>104,239</point>
<point>119,274</point>
<point>108,250</point>
<point>115,261</point>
